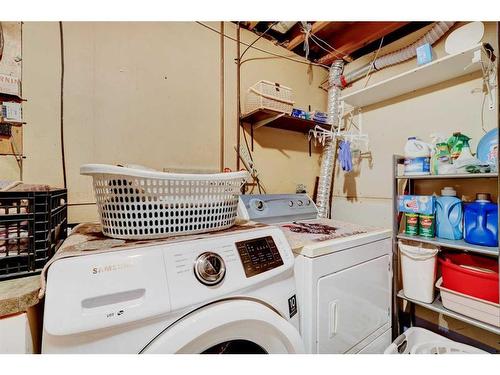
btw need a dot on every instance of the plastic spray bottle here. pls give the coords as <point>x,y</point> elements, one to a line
<point>441,157</point>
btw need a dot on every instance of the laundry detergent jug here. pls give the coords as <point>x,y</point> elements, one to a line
<point>449,215</point>
<point>417,157</point>
<point>481,221</point>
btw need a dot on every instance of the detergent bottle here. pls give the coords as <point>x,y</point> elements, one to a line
<point>417,157</point>
<point>481,221</point>
<point>449,215</point>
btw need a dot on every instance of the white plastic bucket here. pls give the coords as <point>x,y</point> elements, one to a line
<point>418,266</point>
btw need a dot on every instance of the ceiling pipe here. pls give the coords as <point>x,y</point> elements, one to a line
<point>404,54</point>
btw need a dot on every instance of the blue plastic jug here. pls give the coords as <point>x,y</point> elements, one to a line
<point>481,221</point>
<point>449,215</point>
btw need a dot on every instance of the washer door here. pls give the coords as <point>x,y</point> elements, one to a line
<point>232,326</point>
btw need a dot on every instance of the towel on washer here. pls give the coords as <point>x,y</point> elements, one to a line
<point>87,239</point>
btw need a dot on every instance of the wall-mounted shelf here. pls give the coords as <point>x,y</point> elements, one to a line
<point>437,71</point>
<point>447,176</point>
<point>278,120</point>
<point>452,244</point>
<point>15,123</point>
<point>438,307</point>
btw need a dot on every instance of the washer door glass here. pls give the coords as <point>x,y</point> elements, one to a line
<point>231,326</point>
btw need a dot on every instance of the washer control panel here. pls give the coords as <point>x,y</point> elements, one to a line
<point>209,268</point>
<point>259,255</point>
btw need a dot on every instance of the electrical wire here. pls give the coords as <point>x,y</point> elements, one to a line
<point>367,76</point>
<point>1,41</point>
<point>306,62</point>
<point>61,38</point>
<point>490,69</point>
<point>328,45</point>
<point>255,41</point>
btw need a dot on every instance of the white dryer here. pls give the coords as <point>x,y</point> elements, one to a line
<point>343,273</point>
<point>227,293</point>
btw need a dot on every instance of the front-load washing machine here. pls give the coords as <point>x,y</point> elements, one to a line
<point>226,293</point>
<point>343,273</point>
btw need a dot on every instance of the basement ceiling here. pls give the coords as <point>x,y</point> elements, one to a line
<point>333,40</point>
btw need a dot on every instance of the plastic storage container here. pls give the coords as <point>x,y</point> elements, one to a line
<point>417,157</point>
<point>479,309</point>
<point>449,215</point>
<point>417,340</point>
<point>469,274</point>
<point>144,204</point>
<point>418,266</point>
<point>481,221</point>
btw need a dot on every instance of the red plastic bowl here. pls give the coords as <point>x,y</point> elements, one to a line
<point>473,282</point>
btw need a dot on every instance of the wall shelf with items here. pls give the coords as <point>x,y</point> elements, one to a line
<point>278,120</point>
<point>437,71</point>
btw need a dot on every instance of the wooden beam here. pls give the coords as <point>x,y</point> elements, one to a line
<point>252,24</point>
<point>359,35</point>
<point>299,39</point>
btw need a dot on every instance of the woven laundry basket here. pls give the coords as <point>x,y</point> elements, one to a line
<point>144,204</point>
<point>269,95</point>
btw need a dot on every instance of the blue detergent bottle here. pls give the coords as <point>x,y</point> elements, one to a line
<point>449,215</point>
<point>481,221</point>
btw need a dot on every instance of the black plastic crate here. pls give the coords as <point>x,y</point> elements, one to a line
<point>32,227</point>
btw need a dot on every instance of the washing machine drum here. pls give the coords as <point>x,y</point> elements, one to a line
<point>229,327</point>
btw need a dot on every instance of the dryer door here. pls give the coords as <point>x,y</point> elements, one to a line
<point>354,306</point>
<point>230,326</point>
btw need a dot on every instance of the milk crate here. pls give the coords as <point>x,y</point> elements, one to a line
<point>32,227</point>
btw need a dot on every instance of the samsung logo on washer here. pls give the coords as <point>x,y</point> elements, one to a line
<point>110,267</point>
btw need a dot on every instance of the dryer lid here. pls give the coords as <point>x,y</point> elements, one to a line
<point>229,321</point>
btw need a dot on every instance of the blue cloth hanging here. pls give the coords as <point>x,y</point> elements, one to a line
<point>345,157</point>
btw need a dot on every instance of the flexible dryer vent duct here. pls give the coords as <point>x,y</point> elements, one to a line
<point>406,53</point>
<point>328,155</point>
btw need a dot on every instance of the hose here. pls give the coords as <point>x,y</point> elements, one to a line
<point>406,53</point>
<point>328,154</point>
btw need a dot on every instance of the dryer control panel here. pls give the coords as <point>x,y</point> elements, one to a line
<point>259,255</point>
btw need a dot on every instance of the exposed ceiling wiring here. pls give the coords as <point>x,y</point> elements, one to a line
<point>316,38</point>
<point>255,41</point>
<point>306,62</point>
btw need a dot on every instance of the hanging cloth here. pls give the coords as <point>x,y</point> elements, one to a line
<point>306,29</point>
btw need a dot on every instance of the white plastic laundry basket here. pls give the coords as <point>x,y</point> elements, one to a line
<point>143,204</point>
<point>417,340</point>
<point>418,266</point>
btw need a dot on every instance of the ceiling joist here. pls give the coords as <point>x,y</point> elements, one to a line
<point>357,37</point>
<point>299,39</point>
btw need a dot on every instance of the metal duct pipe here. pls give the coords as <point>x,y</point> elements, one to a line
<point>328,155</point>
<point>406,53</point>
